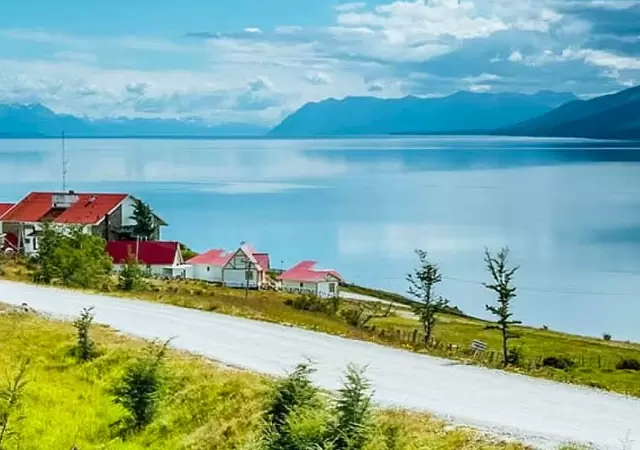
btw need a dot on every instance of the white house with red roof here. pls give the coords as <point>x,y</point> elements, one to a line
<point>241,268</point>
<point>106,215</point>
<point>208,266</point>
<point>161,259</point>
<point>306,278</point>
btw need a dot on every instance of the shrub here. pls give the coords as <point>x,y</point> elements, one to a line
<point>10,402</point>
<point>131,277</point>
<point>139,389</point>
<point>558,362</point>
<point>360,315</point>
<point>628,364</point>
<point>353,412</point>
<point>312,303</point>
<point>84,347</point>
<point>514,356</point>
<point>606,337</point>
<point>291,394</point>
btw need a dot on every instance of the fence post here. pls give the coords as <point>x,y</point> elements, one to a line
<point>414,337</point>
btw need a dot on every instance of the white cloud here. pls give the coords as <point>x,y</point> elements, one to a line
<point>319,78</point>
<point>516,56</point>
<point>347,7</point>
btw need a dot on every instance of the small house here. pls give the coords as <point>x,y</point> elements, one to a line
<point>208,266</point>
<point>305,278</point>
<point>161,259</point>
<point>7,242</point>
<point>246,267</point>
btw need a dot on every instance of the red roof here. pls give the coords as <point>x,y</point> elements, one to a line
<point>154,253</point>
<point>305,272</point>
<point>263,260</point>
<point>212,258</point>
<point>4,207</point>
<point>89,209</point>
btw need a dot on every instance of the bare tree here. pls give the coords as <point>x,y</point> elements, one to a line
<point>502,284</point>
<point>422,283</point>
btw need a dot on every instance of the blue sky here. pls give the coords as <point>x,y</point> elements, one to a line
<point>256,61</point>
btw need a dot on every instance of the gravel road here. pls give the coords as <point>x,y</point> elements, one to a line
<point>541,413</point>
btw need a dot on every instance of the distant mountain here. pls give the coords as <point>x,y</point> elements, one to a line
<point>462,111</point>
<point>615,116</point>
<point>36,120</point>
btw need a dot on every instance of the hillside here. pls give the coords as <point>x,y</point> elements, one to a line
<point>462,111</point>
<point>36,120</point>
<point>615,116</point>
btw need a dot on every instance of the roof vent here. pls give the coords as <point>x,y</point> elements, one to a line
<point>63,201</point>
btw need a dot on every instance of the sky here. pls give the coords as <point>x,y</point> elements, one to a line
<point>256,61</point>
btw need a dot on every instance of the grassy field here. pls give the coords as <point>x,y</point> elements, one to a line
<point>594,360</point>
<point>67,405</point>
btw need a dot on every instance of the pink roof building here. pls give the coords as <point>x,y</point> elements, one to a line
<point>306,278</point>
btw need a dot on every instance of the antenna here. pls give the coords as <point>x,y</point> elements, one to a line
<point>64,165</point>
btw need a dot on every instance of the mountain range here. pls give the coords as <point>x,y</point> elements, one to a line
<point>35,120</point>
<point>463,111</point>
<point>544,114</point>
<point>615,116</point>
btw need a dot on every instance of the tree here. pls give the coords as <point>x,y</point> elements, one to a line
<point>71,257</point>
<point>422,284</point>
<point>85,347</point>
<point>145,222</point>
<point>10,399</point>
<point>353,412</point>
<point>502,284</point>
<point>139,390</point>
<point>364,312</point>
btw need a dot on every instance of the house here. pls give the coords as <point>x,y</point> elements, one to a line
<point>6,242</point>
<point>106,215</point>
<point>305,278</point>
<point>161,259</point>
<point>246,267</point>
<point>208,266</point>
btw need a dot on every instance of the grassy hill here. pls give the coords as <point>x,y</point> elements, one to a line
<point>68,405</point>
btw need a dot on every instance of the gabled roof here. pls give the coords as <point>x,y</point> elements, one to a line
<point>217,258</point>
<point>89,209</point>
<point>263,260</point>
<point>4,207</point>
<point>305,272</point>
<point>155,253</point>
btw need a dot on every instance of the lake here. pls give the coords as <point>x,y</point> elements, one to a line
<point>569,210</point>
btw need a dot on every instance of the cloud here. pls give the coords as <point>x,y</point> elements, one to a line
<point>389,49</point>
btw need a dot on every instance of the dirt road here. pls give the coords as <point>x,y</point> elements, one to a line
<point>538,412</point>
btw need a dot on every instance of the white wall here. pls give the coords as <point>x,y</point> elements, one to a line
<point>212,274</point>
<point>237,278</point>
<point>325,287</point>
<point>296,286</point>
<point>127,212</point>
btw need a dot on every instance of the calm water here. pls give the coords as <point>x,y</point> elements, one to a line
<point>569,210</point>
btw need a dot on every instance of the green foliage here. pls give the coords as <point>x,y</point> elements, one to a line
<point>628,364</point>
<point>502,284</point>
<point>10,402</point>
<point>145,221</point>
<point>293,393</point>
<point>607,337</point>
<point>131,276</point>
<point>422,284</point>
<point>558,362</point>
<point>71,258</point>
<point>139,390</point>
<point>187,253</point>
<point>85,349</point>
<point>353,412</point>
<point>313,303</point>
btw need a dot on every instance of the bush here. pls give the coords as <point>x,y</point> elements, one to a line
<point>514,356</point>
<point>131,277</point>
<point>606,337</point>
<point>139,389</point>
<point>628,364</point>
<point>558,362</point>
<point>353,412</point>
<point>312,303</point>
<point>85,347</point>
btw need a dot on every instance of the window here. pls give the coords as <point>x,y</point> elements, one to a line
<point>301,285</point>
<point>27,241</point>
<point>208,268</point>
<point>35,243</point>
<point>332,288</point>
<point>249,275</point>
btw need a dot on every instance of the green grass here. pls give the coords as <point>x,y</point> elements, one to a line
<point>595,358</point>
<point>205,406</point>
